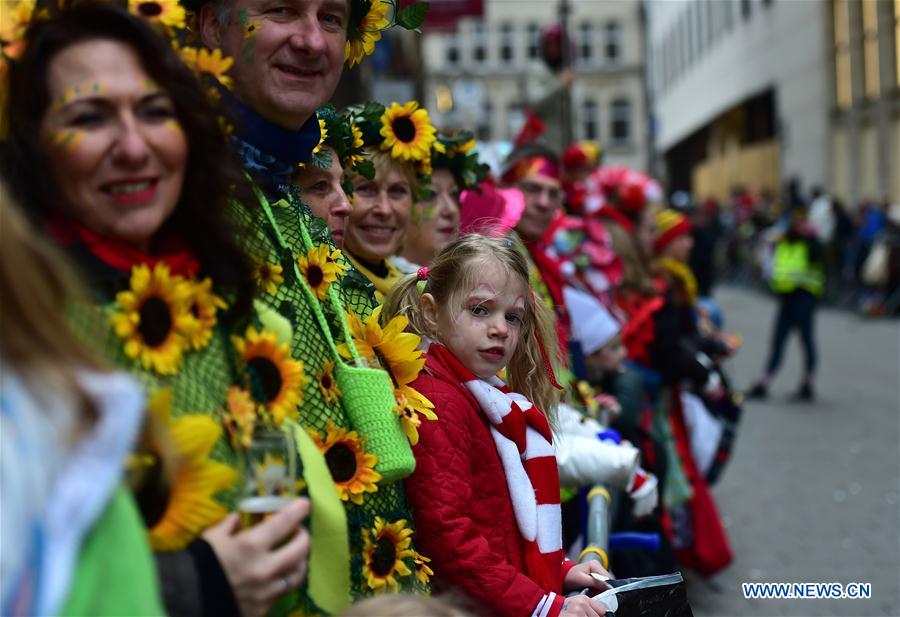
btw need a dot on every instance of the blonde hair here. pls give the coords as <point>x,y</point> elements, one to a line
<point>36,285</point>
<point>451,275</point>
<point>406,605</point>
<point>636,275</point>
<point>384,162</point>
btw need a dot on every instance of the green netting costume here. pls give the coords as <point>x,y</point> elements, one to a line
<point>313,288</point>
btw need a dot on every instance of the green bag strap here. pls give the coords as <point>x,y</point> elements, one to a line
<point>310,296</point>
<point>328,581</point>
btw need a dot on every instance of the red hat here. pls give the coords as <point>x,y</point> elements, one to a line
<point>669,225</point>
<point>581,154</point>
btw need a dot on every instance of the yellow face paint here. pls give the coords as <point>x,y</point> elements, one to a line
<point>76,92</point>
<point>67,138</point>
<point>173,124</point>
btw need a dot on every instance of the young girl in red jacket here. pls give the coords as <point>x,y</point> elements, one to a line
<point>485,492</point>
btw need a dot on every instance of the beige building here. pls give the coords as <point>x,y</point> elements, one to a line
<point>474,76</point>
<point>758,93</point>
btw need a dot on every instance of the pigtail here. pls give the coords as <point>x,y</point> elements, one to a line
<point>404,299</point>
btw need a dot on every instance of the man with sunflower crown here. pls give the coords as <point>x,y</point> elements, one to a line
<point>287,60</point>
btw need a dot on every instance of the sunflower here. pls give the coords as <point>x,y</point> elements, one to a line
<point>14,21</point>
<point>268,276</point>
<point>410,403</point>
<point>318,270</point>
<point>351,467</point>
<point>166,12</point>
<point>155,313</point>
<point>202,60</point>
<point>240,416</point>
<point>276,381</point>
<point>323,135</point>
<point>331,392</point>
<point>384,549</point>
<point>341,267</point>
<point>195,479</point>
<point>393,349</point>
<point>407,132</point>
<point>368,31</point>
<point>356,148</point>
<point>202,315</point>
<point>423,572</point>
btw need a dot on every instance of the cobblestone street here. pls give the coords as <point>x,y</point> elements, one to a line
<point>811,494</point>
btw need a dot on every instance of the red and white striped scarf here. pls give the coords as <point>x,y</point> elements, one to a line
<point>525,445</point>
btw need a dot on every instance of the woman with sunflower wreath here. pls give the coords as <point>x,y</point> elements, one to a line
<point>399,141</point>
<point>115,155</point>
<point>436,218</point>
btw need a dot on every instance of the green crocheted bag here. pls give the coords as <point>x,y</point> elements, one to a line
<point>367,393</point>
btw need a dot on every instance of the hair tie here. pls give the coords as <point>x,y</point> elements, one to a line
<point>422,274</point>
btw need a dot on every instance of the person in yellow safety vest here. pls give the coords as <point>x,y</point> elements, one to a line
<point>798,279</point>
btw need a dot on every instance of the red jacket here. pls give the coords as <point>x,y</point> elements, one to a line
<point>461,507</point>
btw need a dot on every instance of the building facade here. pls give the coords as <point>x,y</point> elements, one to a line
<point>474,74</point>
<point>762,93</point>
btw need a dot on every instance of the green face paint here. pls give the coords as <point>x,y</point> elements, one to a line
<point>77,92</point>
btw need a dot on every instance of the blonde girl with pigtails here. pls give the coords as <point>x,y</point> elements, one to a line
<point>485,492</point>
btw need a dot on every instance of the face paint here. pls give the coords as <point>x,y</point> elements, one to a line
<point>76,92</point>
<point>251,29</point>
<point>67,138</point>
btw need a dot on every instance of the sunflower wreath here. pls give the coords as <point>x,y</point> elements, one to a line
<point>459,157</point>
<point>402,130</point>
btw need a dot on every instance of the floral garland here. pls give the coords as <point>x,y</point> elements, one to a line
<point>457,154</point>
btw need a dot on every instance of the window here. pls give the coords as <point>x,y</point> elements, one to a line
<point>591,125</point>
<point>586,45</point>
<point>767,3</point>
<point>842,77</point>
<point>479,43</point>
<point>870,47</point>
<point>613,46</point>
<point>486,121</point>
<point>620,121</point>
<point>452,50</point>
<point>506,43</point>
<point>746,9</point>
<point>515,120</point>
<point>534,41</point>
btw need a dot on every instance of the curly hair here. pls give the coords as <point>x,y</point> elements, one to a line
<point>210,172</point>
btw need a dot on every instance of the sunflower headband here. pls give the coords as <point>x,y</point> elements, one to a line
<point>403,131</point>
<point>459,157</point>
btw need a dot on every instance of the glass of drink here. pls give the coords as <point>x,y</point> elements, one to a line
<point>270,475</point>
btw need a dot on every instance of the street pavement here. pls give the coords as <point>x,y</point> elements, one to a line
<point>811,493</point>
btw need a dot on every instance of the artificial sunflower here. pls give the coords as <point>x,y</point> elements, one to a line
<point>212,62</point>
<point>390,347</point>
<point>323,135</point>
<point>14,21</point>
<point>191,507</point>
<point>410,403</point>
<point>240,416</point>
<point>154,315</point>
<point>268,276</point>
<point>407,132</point>
<point>166,12</point>
<point>202,315</point>
<point>331,392</point>
<point>276,381</point>
<point>365,29</point>
<point>356,148</point>
<point>423,571</point>
<point>384,549</point>
<point>319,270</point>
<point>351,467</point>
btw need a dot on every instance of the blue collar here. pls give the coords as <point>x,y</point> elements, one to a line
<point>270,152</point>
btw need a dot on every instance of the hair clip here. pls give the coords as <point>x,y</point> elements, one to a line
<point>422,274</point>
